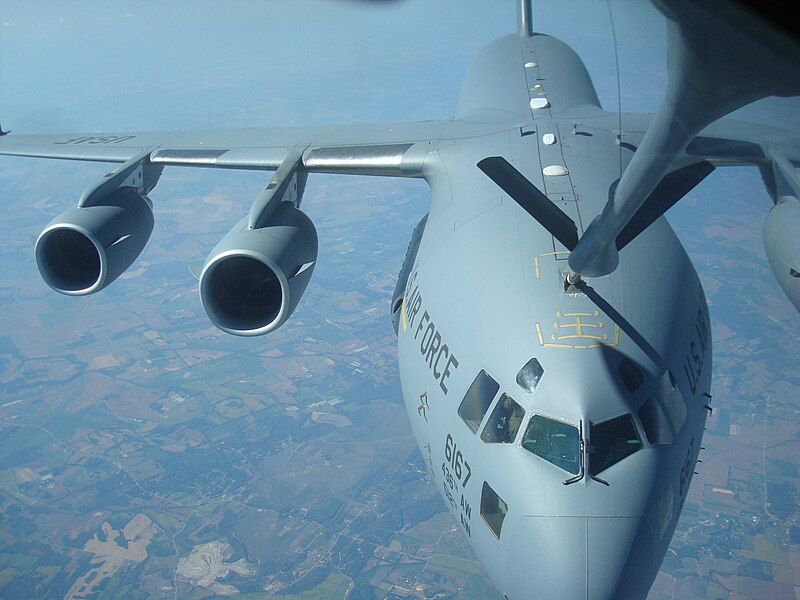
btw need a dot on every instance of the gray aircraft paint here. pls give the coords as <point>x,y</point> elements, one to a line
<point>483,288</point>
<point>492,286</point>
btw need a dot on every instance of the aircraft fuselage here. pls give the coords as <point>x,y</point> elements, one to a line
<point>486,294</point>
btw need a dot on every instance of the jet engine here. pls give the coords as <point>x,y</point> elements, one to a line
<point>87,247</point>
<point>782,242</point>
<point>254,278</point>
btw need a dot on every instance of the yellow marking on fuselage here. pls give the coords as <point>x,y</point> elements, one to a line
<point>583,330</point>
<point>537,264</point>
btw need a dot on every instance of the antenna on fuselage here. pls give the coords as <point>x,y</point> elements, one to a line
<point>525,18</point>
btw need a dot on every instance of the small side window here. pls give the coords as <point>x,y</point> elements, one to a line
<point>674,403</point>
<point>493,509</point>
<point>503,424</point>
<point>529,375</point>
<point>630,374</point>
<point>610,442</point>
<point>477,400</point>
<point>654,422</point>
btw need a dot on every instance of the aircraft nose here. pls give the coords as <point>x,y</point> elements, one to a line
<point>612,550</point>
<point>572,557</point>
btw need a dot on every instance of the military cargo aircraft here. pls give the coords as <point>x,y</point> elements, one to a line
<point>554,339</point>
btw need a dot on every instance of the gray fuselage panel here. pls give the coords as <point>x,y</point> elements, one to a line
<point>487,293</point>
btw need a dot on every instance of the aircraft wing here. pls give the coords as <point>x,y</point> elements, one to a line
<point>389,149</point>
<point>730,142</point>
<point>726,142</point>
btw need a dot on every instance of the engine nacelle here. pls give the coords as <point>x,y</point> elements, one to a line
<point>254,278</point>
<point>87,247</point>
<point>782,242</point>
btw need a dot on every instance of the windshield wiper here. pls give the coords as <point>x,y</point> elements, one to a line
<point>582,470</point>
<point>596,478</point>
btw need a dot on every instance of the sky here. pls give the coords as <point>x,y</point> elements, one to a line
<point>154,65</point>
<point>122,65</point>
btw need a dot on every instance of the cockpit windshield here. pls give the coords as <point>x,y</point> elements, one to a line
<point>554,441</point>
<point>610,442</point>
<point>503,424</point>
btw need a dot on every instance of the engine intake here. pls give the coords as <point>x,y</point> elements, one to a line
<point>87,247</point>
<point>254,278</point>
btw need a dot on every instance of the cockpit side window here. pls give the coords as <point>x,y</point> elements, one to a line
<point>493,509</point>
<point>630,374</point>
<point>477,400</point>
<point>554,441</point>
<point>611,441</point>
<point>673,401</point>
<point>654,422</point>
<point>530,375</point>
<point>503,424</point>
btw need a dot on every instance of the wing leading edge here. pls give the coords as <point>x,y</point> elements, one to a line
<point>389,150</point>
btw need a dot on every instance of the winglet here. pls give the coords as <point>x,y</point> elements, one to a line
<point>2,133</point>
